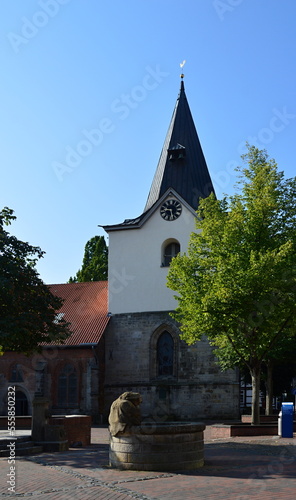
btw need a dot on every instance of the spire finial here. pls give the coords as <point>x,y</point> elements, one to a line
<point>181,66</point>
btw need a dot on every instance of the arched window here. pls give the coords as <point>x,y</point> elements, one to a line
<point>164,348</point>
<point>165,354</point>
<point>16,374</point>
<point>170,250</point>
<point>67,387</point>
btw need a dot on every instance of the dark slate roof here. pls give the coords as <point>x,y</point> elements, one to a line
<point>137,222</point>
<point>127,224</point>
<point>182,165</point>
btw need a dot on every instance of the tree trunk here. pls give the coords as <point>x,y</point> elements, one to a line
<point>255,374</point>
<point>269,388</point>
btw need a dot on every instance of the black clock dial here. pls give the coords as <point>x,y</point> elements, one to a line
<point>170,209</point>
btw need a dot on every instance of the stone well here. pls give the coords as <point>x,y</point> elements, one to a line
<point>159,447</point>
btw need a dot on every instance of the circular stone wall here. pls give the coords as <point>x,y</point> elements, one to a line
<point>159,447</point>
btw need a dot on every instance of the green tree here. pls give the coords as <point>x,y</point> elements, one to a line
<point>95,261</point>
<point>27,307</point>
<point>237,284</point>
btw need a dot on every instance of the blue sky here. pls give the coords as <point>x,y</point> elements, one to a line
<point>87,93</point>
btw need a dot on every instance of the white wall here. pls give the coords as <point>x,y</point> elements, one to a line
<point>137,282</point>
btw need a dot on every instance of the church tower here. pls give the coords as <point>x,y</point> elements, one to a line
<point>144,352</point>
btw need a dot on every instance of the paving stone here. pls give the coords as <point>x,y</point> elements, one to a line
<point>235,469</point>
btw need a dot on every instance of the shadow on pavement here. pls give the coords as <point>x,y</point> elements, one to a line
<point>91,457</point>
<point>243,460</point>
<point>256,461</point>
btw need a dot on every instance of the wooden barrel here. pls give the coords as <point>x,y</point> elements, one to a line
<point>159,447</point>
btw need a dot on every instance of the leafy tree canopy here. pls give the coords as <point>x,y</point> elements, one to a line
<point>27,307</point>
<point>95,261</point>
<point>237,284</point>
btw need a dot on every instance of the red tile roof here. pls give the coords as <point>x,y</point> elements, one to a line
<point>85,307</point>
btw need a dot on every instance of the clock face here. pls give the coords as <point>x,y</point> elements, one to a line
<point>170,209</point>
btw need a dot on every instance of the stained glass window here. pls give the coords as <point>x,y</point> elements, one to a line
<point>165,354</point>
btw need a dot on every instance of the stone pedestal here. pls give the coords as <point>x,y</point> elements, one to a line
<point>159,447</point>
<point>77,428</point>
<point>54,438</point>
<point>39,417</point>
<point>50,437</point>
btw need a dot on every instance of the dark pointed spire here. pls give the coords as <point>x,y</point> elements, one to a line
<point>182,165</point>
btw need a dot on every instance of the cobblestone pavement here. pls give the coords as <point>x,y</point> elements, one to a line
<point>235,469</point>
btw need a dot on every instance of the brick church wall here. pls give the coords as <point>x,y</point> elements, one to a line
<point>50,362</point>
<point>198,389</point>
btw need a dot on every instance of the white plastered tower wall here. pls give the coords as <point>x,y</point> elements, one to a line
<point>140,303</point>
<point>137,276</point>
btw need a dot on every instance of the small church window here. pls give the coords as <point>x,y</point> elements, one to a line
<point>171,250</point>
<point>165,354</point>
<point>16,374</point>
<point>67,387</point>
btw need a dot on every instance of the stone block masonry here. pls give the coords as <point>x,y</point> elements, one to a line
<point>195,389</point>
<point>159,447</point>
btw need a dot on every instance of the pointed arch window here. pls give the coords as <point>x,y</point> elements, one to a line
<point>67,387</point>
<point>165,354</point>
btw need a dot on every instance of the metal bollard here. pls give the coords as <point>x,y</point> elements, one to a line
<point>280,418</point>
